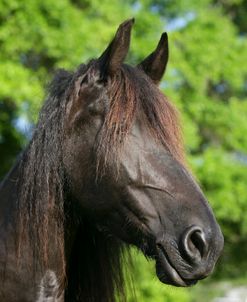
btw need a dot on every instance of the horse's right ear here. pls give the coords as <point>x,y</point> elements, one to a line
<point>155,64</point>
<point>113,57</point>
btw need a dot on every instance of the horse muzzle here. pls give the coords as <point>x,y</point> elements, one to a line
<point>191,260</point>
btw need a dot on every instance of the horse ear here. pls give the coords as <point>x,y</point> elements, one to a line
<point>155,64</point>
<point>114,55</point>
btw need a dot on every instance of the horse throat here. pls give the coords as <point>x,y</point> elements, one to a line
<point>94,268</point>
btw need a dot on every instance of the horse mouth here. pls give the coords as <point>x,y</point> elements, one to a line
<point>167,273</point>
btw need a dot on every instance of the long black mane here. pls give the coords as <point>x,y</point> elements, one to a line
<point>95,271</point>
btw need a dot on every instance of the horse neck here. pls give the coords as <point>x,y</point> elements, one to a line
<point>93,261</point>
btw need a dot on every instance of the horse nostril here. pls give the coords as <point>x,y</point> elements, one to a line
<point>194,244</point>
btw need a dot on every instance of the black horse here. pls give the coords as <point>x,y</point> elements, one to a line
<point>104,170</point>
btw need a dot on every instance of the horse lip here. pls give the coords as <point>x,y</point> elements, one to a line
<point>171,275</point>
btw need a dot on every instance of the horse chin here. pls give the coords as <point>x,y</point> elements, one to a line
<point>167,273</point>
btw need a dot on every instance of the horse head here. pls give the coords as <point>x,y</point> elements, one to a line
<point>125,167</point>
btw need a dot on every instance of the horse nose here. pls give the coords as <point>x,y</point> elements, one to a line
<point>194,244</point>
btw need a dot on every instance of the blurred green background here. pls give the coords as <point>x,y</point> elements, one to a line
<point>206,78</point>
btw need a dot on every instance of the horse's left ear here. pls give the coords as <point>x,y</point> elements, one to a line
<point>114,55</point>
<point>155,64</point>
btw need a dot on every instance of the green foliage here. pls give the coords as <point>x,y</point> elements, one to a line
<point>10,138</point>
<point>206,78</point>
<point>149,288</point>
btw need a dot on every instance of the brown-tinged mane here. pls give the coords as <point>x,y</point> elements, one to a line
<point>43,184</point>
<point>131,90</point>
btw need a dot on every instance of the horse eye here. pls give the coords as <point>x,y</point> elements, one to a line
<point>96,107</point>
